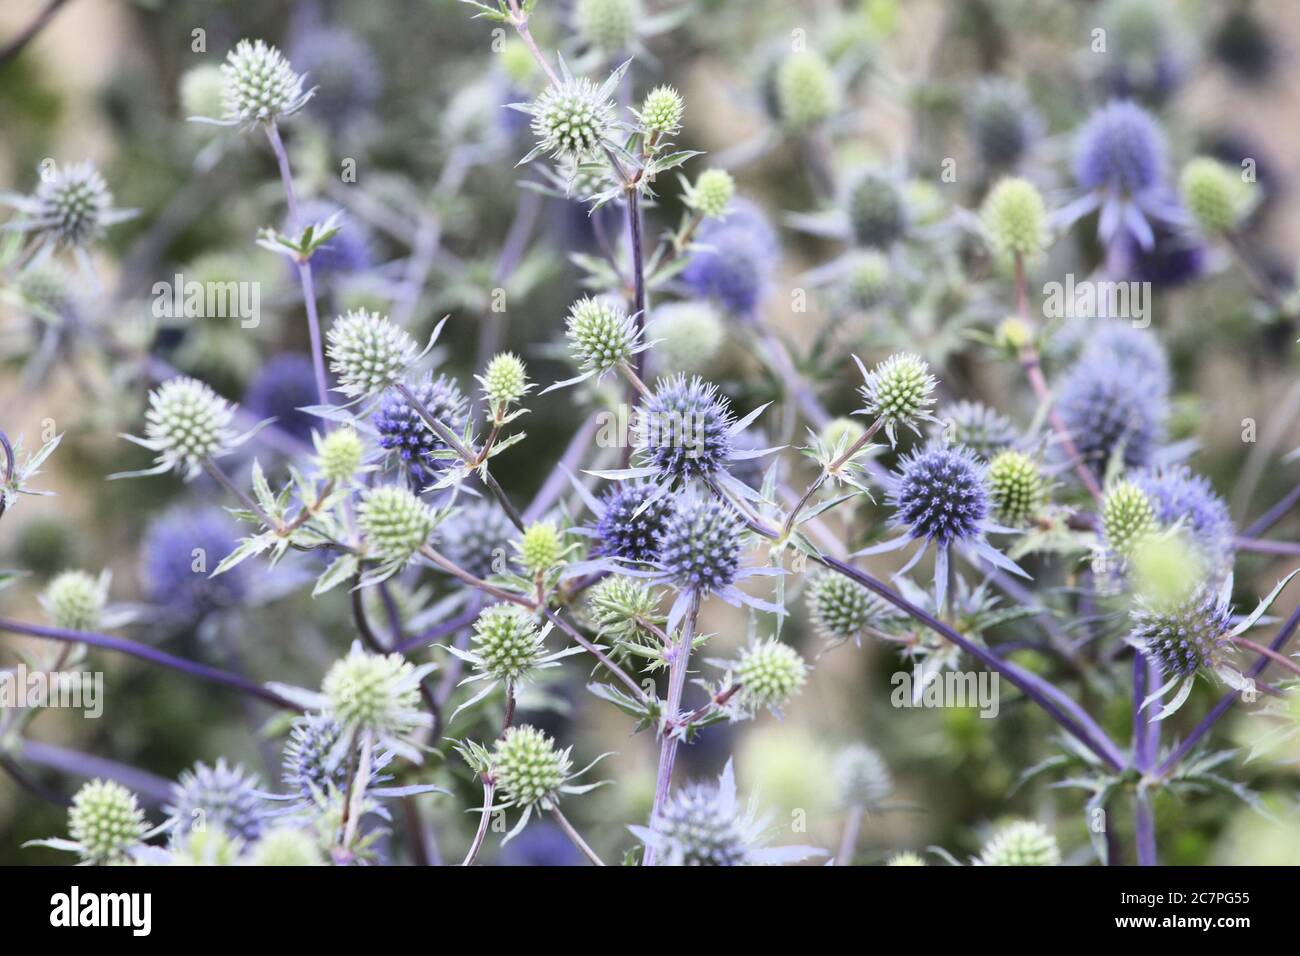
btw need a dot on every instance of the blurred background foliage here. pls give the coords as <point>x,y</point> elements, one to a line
<point>416,102</point>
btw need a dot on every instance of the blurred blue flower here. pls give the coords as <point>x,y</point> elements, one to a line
<point>179,551</point>
<point>283,385</point>
<point>733,258</point>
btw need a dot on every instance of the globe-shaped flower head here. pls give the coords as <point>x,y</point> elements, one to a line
<point>685,429</point>
<point>1015,487</point>
<point>661,111</point>
<point>379,695</point>
<point>1015,220</point>
<point>314,760</point>
<point>700,545</point>
<point>877,210</point>
<point>705,824</point>
<point>477,538</point>
<point>806,90</point>
<point>630,522</point>
<point>1183,636</point>
<point>942,494</point>
<point>601,337</point>
<point>860,777</point>
<point>368,353</point>
<point>281,387</point>
<point>985,431</point>
<point>572,120</point>
<point>74,203</point>
<point>186,423</point>
<point>261,86</point>
<point>941,497</point>
<point>179,551</point>
<point>403,430</point>
<point>75,600</point>
<point>1178,496</point>
<point>395,522</point>
<point>1109,410</point>
<point>1119,161</point>
<point>899,392</point>
<point>528,768</point>
<point>770,673</point>
<point>1022,843</point>
<point>105,821</point>
<point>220,796</point>
<point>507,641</point>
<point>843,610</point>
<point>608,25</point>
<point>733,257</point>
<point>1002,122</point>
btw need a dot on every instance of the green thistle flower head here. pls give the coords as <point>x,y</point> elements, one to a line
<point>601,335</point>
<point>619,605</point>
<point>840,434</point>
<point>287,846</point>
<point>374,693</point>
<point>540,548</point>
<point>1015,219</point>
<point>1015,487</point>
<point>572,120</point>
<point>712,193</point>
<point>877,210</point>
<point>842,609</point>
<point>662,110</point>
<point>528,768</point>
<point>806,90</point>
<point>1214,194</point>
<point>368,353</point>
<point>187,422</point>
<point>905,859</point>
<point>507,641</point>
<point>261,86</point>
<point>868,280</point>
<point>505,380</point>
<point>608,25</point>
<point>1022,843</point>
<point>74,203</point>
<point>203,91</point>
<point>899,390</point>
<point>1127,517</point>
<point>394,522</point>
<point>106,821</point>
<point>770,673</point>
<point>75,600</point>
<point>339,455</point>
<point>686,336</point>
<point>861,777</point>
<point>46,289</point>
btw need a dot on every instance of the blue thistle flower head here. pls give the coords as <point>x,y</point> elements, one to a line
<point>685,429</point>
<point>699,547</point>
<point>733,258</point>
<point>941,494</point>
<point>179,551</point>
<point>220,796</point>
<point>1175,257</point>
<point>477,536</point>
<point>347,77</point>
<point>1120,149</point>
<point>1176,494</point>
<point>1186,636</point>
<point>1116,342</point>
<point>315,759</point>
<point>283,385</point>
<point>1109,405</point>
<point>623,533</point>
<point>402,430</point>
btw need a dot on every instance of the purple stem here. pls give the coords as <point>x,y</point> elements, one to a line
<point>304,267</point>
<point>153,655</point>
<point>1227,700</point>
<point>152,788</point>
<point>1145,741</point>
<point>1273,515</point>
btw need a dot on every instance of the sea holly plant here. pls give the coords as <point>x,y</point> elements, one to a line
<point>652,448</point>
